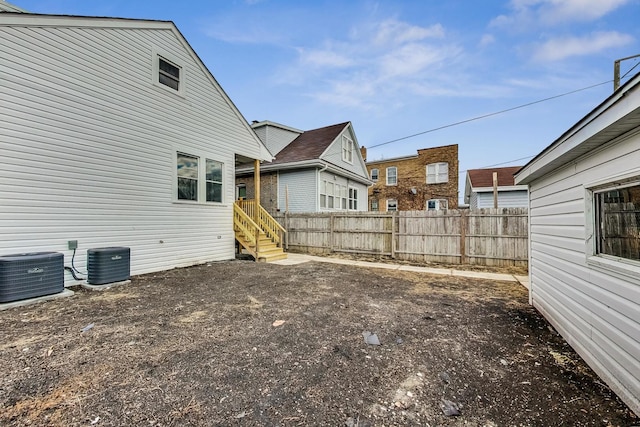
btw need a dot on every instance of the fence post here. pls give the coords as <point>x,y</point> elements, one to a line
<point>331,232</point>
<point>463,235</point>
<point>393,233</point>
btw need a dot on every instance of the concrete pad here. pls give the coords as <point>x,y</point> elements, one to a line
<point>334,261</point>
<point>523,280</point>
<point>428,270</point>
<point>64,294</point>
<point>292,259</point>
<point>484,275</point>
<point>105,286</point>
<point>369,264</point>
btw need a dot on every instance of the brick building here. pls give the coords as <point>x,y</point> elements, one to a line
<point>425,181</point>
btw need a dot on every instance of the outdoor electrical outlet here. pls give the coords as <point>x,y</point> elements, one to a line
<point>73,244</point>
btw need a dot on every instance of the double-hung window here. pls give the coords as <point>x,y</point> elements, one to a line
<point>437,204</point>
<point>169,74</point>
<point>392,205</point>
<point>437,173</point>
<point>392,175</point>
<point>187,177</point>
<point>353,199</point>
<point>347,149</point>
<point>374,175</point>
<point>198,180</point>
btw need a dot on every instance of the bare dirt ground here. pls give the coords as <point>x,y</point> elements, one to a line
<point>251,344</point>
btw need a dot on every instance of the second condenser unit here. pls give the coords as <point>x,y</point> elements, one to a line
<point>108,265</point>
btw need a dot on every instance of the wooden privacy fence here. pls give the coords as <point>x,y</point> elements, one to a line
<point>496,237</point>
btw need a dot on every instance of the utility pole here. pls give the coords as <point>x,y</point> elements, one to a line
<point>616,70</point>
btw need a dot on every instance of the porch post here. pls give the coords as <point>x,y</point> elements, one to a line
<point>256,180</point>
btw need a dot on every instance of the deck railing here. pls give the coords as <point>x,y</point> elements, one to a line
<point>269,225</point>
<point>244,224</point>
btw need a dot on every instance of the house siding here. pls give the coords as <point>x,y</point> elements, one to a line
<point>276,138</point>
<point>597,311</point>
<point>333,154</point>
<point>506,199</point>
<point>302,189</point>
<point>89,146</point>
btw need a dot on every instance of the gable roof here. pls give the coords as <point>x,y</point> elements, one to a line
<point>484,177</point>
<point>44,20</point>
<point>310,144</point>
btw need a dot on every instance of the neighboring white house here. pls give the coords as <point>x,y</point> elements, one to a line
<point>585,238</point>
<point>318,170</point>
<point>114,133</point>
<point>478,189</point>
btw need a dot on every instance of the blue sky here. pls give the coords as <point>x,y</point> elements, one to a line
<point>398,68</point>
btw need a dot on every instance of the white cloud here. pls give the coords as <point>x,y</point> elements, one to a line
<point>395,32</point>
<point>412,59</point>
<point>565,47</point>
<point>324,58</point>
<point>486,40</point>
<point>528,14</point>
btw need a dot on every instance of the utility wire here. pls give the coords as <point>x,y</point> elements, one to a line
<point>498,164</point>
<point>484,116</point>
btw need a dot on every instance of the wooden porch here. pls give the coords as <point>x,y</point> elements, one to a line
<point>256,231</point>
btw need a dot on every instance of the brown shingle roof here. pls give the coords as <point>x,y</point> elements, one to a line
<point>484,177</point>
<point>310,144</point>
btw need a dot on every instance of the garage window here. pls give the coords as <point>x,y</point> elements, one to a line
<point>617,222</point>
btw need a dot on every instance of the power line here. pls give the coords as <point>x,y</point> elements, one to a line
<point>499,164</point>
<point>484,116</point>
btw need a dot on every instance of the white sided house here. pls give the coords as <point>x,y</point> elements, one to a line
<point>479,189</point>
<point>585,238</point>
<point>114,133</point>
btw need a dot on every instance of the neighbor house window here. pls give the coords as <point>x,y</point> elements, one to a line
<point>374,205</point>
<point>347,149</point>
<point>392,205</point>
<point>187,177</point>
<point>214,181</point>
<point>169,74</point>
<point>437,173</point>
<point>323,194</point>
<point>392,175</point>
<point>343,198</point>
<point>617,222</point>
<point>374,175</point>
<point>437,204</point>
<point>353,199</point>
<point>330,195</point>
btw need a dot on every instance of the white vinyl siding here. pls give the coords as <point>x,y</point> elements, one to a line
<point>275,138</point>
<point>82,161</point>
<point>595,307</point>
<point>302,188</point>
<point>334,154</point>
<point>506,199</point>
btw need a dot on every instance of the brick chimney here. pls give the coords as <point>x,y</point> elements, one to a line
<point>363,152</point>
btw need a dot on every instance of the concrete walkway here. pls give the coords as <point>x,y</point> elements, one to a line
<point>294,259</point>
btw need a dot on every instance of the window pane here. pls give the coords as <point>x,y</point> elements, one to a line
<point>187,189</point>
<point>169,68</point>
<point>618,221</point>
<point>187,166</point>
<point>214,192</point>
<point>214,171</point>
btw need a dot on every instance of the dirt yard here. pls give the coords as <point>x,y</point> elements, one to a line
<point>250,344</point>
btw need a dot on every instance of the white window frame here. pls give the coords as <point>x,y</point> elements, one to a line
<point>323,194</point>
<point>347,149</point>
<point>440,204</point>
<point>628,269</point>
<point>353,199</point>
<point>201,178</point>
<point>374,177</point>
<point>375,205</point>
<point>392,201</point>
<point>157,56</point>
<point>208,181</point>
<point>395,168</point>
<point>439,173</point>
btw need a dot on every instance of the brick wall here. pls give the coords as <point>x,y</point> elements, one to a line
<point>268,189</point>
<point>412,174</point>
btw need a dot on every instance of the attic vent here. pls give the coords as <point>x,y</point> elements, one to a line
<point>108,265</point>
<point>31,275</point>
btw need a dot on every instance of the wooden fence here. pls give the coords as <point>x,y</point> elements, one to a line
<point>497,237</point>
